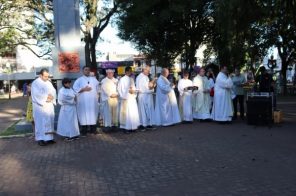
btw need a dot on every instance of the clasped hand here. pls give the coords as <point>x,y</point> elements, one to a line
<point>49,98</point>
<point>132,91</point>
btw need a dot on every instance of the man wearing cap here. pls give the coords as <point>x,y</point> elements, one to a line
<point>129,116</point>
<point>87,88</point>
<point>166,107</point>
<point>145,100</point>
<point>202,101</point>
<point>185,102</point>
<point>109,102</point>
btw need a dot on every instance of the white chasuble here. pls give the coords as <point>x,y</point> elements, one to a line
<point>109,106</point>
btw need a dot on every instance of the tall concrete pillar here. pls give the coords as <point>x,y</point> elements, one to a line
<point>68,54</point>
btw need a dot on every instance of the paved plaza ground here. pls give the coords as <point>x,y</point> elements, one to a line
<point>186,159</point>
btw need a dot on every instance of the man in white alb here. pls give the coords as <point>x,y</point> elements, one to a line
<point>202,100</point>
<point>185,100</point>
<point>43,99</point>
<point>109,102</point>
<point>87,89</point>
<point>145,100</point>
<point>223,106</point>
<point>129,115</point>
<point>166,107</point>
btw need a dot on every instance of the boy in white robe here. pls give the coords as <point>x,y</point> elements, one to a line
<point>185,103</point>
<point>43,99</point>
<point>145,100</point>
<point>87,90</point>
<point>223,106</point>
<point>129,116</point>
<point>166,107</point>
<point>202,99</point>
<point>109,102</point>
<point>68,121</point>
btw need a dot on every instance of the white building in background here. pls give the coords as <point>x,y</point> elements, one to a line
<point>120,57</point>
<point>23,63</point>
<point>26,61</point>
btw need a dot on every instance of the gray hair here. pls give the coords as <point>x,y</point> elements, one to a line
<point>145,67</point>
<point>163,70</point>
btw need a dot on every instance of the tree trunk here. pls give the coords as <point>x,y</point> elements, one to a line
<point>87,50</point>
<point>93,63</point>
<point>284,73</point>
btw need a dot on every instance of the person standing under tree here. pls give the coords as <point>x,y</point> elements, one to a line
<point>87,88</point>
<point>68,122</point>
<point>29,115</point>
<point>129,115</point>
<point>145,100</point>
<point>185,99</point>
<point>238,82</point>
<point>109,102</point>
<point>223,106</point>
<point>202,99</point>
<point>44,99</point>
<point>25,90</point>
<point>166,106</point>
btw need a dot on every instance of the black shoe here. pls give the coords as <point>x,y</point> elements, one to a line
<point>68,139</point>
<point>142,128</point>
<point>107,130</point>
<point>126,131</point>
<point>42,143</point>
<point>76,138</point>
<point>51,142</point>
<point>114,129</point>
<point>95,132</point>
<point>150,127</point>
<point>134,130</point>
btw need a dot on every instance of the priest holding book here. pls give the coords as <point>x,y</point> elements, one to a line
<point>185,100</point>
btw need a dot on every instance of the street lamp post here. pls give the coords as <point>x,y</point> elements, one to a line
<point>8,76</point>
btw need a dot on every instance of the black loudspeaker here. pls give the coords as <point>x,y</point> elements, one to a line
<point>259,110</point>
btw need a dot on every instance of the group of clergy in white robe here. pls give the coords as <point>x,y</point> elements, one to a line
<point>79,104</point>
<point>131,105</point>
<point>197,104</point>
<point>140,115</point>
<point>127,103</point>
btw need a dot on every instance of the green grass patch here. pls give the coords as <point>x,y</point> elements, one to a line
<point>10,131</point>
